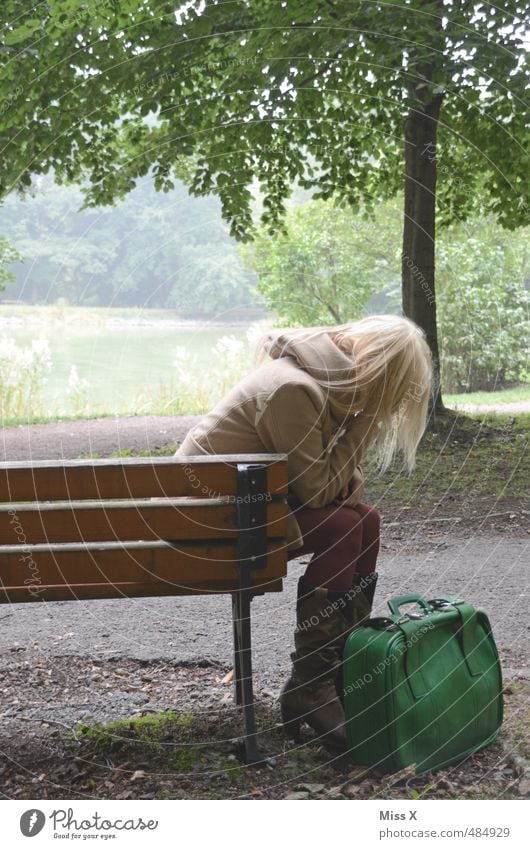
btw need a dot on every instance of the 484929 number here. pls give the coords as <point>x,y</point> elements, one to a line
<point>487,831</point>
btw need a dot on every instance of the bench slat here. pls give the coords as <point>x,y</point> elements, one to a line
<point>145,520</point>
<point>127,590</point>
<point>187,563</point>
<point>202,475</point>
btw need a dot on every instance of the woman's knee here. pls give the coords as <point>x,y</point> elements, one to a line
<point>371,519</point>
<point>340,526</point>
<point>343,525</point>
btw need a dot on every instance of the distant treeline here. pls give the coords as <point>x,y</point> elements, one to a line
<point>152,250</point>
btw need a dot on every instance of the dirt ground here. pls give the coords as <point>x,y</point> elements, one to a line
<point>94,437</point>
<point>92,708</point>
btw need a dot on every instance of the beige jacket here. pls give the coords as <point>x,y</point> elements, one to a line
<point>284,406</point>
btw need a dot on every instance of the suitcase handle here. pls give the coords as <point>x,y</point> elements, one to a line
<point>396,602</point>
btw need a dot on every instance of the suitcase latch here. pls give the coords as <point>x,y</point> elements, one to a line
<point>382,623</point>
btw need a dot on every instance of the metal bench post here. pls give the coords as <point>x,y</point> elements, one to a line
<point>252,554</point>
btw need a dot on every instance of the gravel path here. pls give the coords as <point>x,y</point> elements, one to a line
<point>487,571</point>
<point>85,437</point>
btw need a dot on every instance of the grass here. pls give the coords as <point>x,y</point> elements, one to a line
<point>464,465</point>
<point>44,419</point>
<point>166,451</point>
<point>152,730</point>
<point>504,396</point>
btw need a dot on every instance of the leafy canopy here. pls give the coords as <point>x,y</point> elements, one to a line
<point>268,92</point>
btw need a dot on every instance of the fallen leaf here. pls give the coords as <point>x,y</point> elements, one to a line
<point>310,788</point>
<point>402,775</point>
<point>358,773</point>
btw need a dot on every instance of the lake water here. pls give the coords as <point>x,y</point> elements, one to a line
<point>124,365</point>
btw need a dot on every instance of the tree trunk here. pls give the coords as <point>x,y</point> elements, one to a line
<point>418,284</point>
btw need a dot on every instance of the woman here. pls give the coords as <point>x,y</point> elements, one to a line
<point>325,395</point>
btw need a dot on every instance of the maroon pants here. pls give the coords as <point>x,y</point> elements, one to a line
<point>343,540</point>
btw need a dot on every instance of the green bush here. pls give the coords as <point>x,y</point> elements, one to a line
<point>482,302</point>
<point>328,264</point>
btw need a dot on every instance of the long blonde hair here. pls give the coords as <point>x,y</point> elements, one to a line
<point>392,381</point>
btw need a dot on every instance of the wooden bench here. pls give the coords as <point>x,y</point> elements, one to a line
<point>156,526</point>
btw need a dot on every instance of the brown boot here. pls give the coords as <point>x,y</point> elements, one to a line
<point>362,598</point>
<point>358,610</point>
<point>310,694</point>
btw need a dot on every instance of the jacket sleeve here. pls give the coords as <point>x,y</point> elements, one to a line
<point>292,424</point>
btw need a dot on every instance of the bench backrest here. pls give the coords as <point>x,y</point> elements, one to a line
<point>140,527</point>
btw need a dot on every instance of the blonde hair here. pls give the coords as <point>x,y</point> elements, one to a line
<point>392,381</point>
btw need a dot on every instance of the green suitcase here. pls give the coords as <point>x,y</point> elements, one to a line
<point>421,688</point>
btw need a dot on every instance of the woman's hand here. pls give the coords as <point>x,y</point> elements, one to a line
<point>352,494</point>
